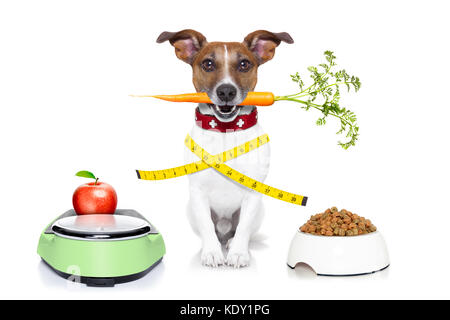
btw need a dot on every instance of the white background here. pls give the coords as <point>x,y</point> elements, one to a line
<point>67,68</point>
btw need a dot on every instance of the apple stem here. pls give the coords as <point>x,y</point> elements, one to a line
<point>95,183</point>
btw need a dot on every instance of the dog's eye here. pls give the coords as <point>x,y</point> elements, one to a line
<point>244,65</point>
<point>208,65</point>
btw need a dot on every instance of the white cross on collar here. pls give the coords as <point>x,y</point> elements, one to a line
<point>213,124</point>
<point>240,123</point>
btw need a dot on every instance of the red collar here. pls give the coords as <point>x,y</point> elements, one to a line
<point>242,122</point>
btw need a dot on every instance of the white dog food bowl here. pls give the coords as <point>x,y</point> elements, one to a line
<point>339,256</point>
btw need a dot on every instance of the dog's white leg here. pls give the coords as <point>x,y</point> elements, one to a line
<point>199,214</point>
<point>249,221</point>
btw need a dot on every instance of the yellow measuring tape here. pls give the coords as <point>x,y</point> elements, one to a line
<point>216,162</point>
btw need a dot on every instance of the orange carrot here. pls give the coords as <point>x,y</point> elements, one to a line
<point>325,87</point>
<point>252,99</point>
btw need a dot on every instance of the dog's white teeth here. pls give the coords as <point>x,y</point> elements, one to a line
<point>231,110</point>
<point>219,109</point>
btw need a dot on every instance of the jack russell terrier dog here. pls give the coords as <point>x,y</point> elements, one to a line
<point>220,210</point>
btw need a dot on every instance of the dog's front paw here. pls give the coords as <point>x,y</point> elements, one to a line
<point>238,259</point>
<point>212,257</point>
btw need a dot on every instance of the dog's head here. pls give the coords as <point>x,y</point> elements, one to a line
<point>226,71</point>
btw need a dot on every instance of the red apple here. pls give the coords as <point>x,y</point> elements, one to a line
<point>94,198</point>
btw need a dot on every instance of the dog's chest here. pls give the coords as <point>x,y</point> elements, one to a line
<point>254,164</point>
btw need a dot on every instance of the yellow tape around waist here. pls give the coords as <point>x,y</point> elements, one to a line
<point>216,162</point>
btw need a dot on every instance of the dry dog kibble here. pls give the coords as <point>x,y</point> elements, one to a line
<point>333,222</point>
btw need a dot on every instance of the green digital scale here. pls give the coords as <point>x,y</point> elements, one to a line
<point>101,249</point>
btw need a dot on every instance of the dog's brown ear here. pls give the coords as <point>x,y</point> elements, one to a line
<point>263,43</point>
<point>187,43</point>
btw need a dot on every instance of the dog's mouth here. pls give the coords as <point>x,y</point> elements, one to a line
<point>225,109</point>
<point>224,113</point>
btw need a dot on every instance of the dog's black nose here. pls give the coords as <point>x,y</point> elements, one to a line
<point>226,92</point>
